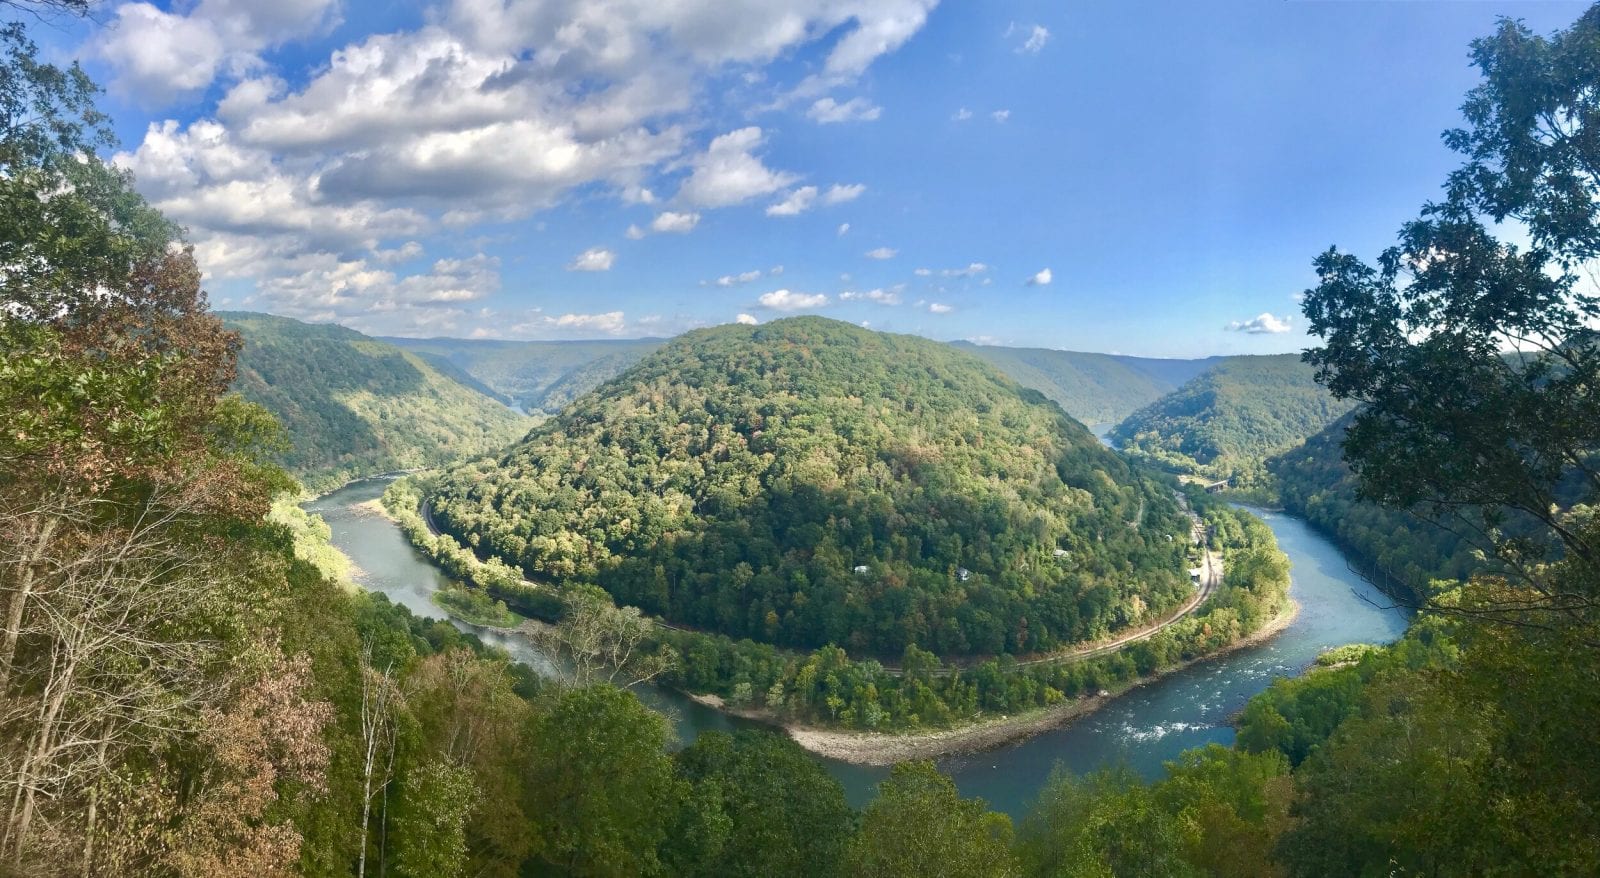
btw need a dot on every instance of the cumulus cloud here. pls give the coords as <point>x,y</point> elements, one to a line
<point>795,203</point>
<point>157,56</point>
<point>593,259</point>
<point>844,229</point>
<point>634,233</point>
<point>746,320</point>
<point>728,172</point>
<point>1000,115</point>
<point>961,115</point>
<point>789,300</point>
<point>1262,324</point>
<point>611,322</point>
<point>890,296</point>
<point>827,111</point>
<point>1041,278</point>
<point>881,253</point>
<point>674,222</point>
<point>939,308</point>
<point>487,113</point>
<point>839,193</point>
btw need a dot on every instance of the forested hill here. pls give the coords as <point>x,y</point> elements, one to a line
<point>1230,419</point>
<point>1094,388</point>
<point>1405,551</point>
<point>351,405</point>
<point>540,376</point>
<point>808,481</point>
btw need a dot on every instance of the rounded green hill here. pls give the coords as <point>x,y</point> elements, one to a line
<point>807,482</point>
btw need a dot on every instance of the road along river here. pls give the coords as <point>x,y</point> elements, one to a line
<point>1143,728</point>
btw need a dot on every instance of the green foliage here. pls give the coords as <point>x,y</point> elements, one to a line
<point>1405,551</point>
<point>1094,388</point>
<point>919,825</point>
<point>356,406</point>
<point>475,608</point>
<point>600,783</point>
<point>1106,824</point>
<point>430,837</point>
<point>496,579</point>
<point>1477,359</point>
<point>808,481</point>
<point>757,805</point>
<point>1297,714</point>
<point>1224,423</point>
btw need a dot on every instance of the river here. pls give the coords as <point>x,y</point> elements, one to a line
<point>1143,728</point>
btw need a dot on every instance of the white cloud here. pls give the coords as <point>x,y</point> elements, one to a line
<point>634,233</point>
<point>746,319</point>
<point>728,172</point>
<point>611,322</point>
<point>731,280</point>
<point>788,300</point>
<point>881,253</point>
<point>839,193</point>
<point>488,112</point>
<point>1262,324</point>
<point>797,202</point>
<point>593,259</point>
<point>1037,37</point>
<point>973,269</point>
<point>890,296</point>
<point>1000,115</point>
<point>844,229</point>
<point>1041,278</point>
<point>674,222</point>
<point>826,111</point>
<point>961,115</point>
<point>158,56</point>
<point>923,272</point>
<point>939,308</point>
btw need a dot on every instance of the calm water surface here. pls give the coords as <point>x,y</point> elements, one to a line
<point>1144,728</point>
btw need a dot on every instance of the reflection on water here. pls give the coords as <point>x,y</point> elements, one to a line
<point>1144,728</point>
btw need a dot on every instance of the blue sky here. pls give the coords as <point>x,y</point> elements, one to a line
<point>1144,178</point>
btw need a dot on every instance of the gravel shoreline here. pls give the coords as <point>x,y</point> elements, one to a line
<point>873,748</point>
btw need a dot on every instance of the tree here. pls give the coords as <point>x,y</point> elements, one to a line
<point>602,643</point>
<point>430,826</point>
<point>758,805</point>
<point>598,782</point>
<point>1476,360</point>
<point>920,825</point>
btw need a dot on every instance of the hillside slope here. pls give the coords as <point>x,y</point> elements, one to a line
<point>1094,388</point>
<point>540,376</point>
<point>1227,421</point>
<point>1405,551</point>
<point>351,405</point>
<point>808,481</point>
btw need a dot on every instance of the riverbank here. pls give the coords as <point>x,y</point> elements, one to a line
<point>873,748</point>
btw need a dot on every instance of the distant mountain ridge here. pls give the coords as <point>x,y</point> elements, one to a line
<point>354,406</point>
<point>538,376</point>
<point>1094,388</point>
<point>1228,420</point>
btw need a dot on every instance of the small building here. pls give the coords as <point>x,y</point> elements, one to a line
<point>963,574</point>
<point>1062,553</point>
<point>862,568</point>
